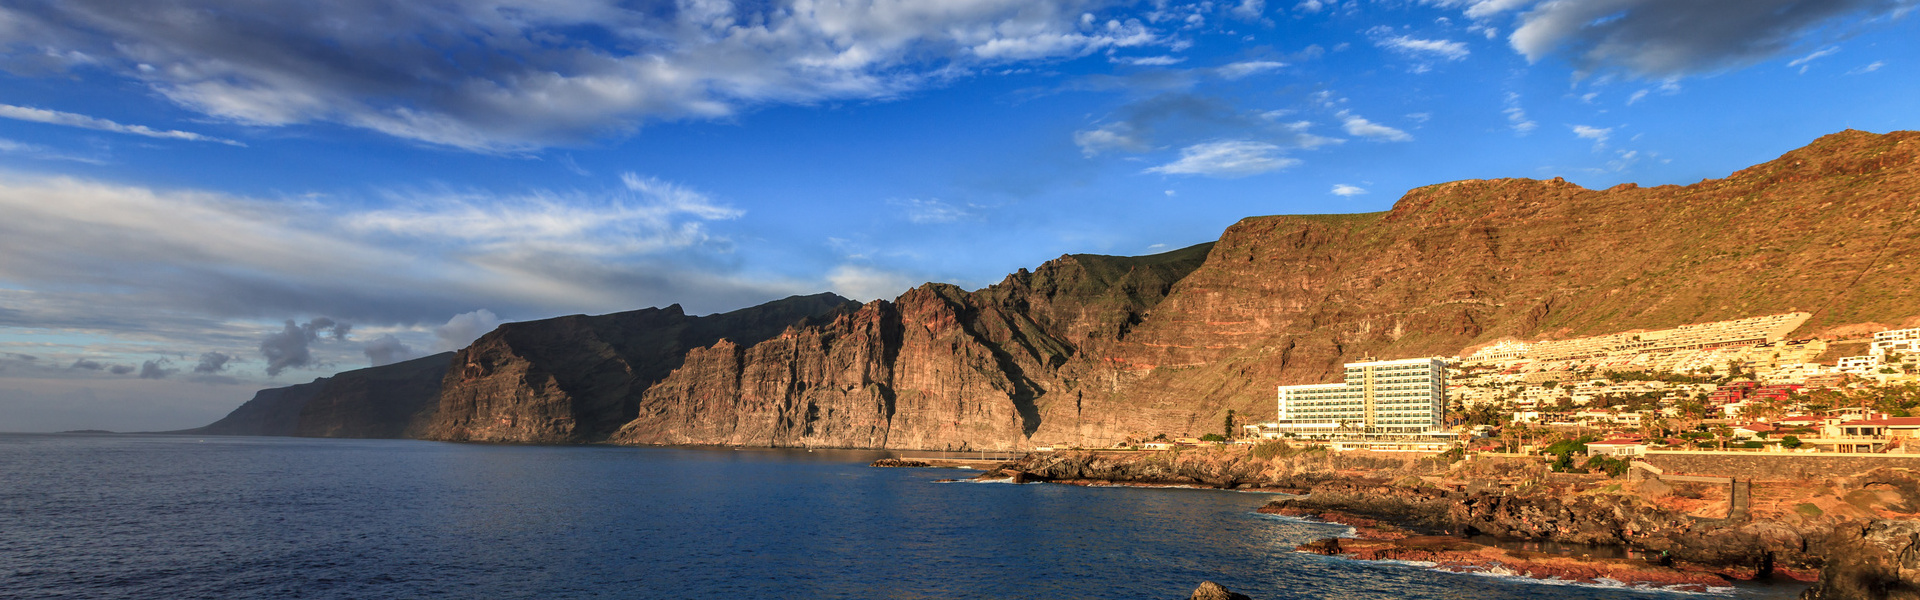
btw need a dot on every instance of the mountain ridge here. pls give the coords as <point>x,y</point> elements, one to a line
<point>1091,349</point>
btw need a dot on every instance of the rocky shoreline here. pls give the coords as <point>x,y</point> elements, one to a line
<point>1864,544</point>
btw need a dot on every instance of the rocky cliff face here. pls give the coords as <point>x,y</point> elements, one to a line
<point>939,367</point>
<point>1095,349</point>
<point>1287,299</point>
<point>272,411</point>
<point>389,401</point>
<point>579,378</point>
<point>1871,561</point>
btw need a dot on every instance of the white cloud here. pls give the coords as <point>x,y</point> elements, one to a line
<point>1243,69</point>
<point>1517,116</point>
<point>1481,9</point>
<point>1637,96</point>
<point>54,117</point>
<point>508,75</point>
<point>1348,191</point>
<point>1250,9</point>
<point>42,152</point>
<point>1227,158</point>
<point>1868,68</point>
<point>463,329</point>
<point>1355,125</point>
<point>138,256</point>
<point>931,210</point>
<point>1153,61</point>
<point>1420,48</point>
<point>664,215</point>
<point>1309,6</point>
<point>1816,55</point>
<point>1599,135</point>
<point>1109,137</point>
<point>867,283</point>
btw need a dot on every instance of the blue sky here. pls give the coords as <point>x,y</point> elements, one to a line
<point>207,197</point>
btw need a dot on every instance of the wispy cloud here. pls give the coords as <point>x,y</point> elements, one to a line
<point>54,117</point>
<point>1803,61</point>
<point>1424,48</point>
<point>1599,135</point>
<point>1867,68</point>
<point>42,152</point>
<point>1347,191</point>
<point>1152,61</point>
<point>1517,117</point>
<point>931,210</point>
<point>1243,69</point>
<point>1227,158</point>
<point>1355,125</point>
<point>1175,119</point>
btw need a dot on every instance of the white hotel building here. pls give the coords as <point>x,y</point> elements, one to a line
<point>1390,396</point>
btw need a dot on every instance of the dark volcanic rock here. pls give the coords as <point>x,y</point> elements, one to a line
<point>899,462</point>
<point>1876,561</point>
<point>579,378</point>
<point>1739,549</point>
<point>389,401</point>
<point>272,411</point>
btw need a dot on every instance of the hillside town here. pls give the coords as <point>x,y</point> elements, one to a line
<point>1728,386</point>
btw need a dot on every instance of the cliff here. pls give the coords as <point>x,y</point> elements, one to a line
<point>578,378</point>
<point>389,401</point>
<point>1089,350</point>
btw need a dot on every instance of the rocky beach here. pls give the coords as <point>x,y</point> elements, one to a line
<point>1850,537</point>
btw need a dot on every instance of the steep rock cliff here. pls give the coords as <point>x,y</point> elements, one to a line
<point>391,401</point>
<point>388,401</point>
<point>939,367</point>
<point>578,378</point>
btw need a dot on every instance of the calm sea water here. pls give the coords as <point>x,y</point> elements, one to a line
<point>85,516</point>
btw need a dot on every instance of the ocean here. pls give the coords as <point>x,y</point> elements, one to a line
<point>156,516</point>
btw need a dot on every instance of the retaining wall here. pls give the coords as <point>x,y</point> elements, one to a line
<point>1776,467</point>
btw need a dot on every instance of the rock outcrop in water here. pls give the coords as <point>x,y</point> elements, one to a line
<point>1213,591</point>
<point>1089,350</point>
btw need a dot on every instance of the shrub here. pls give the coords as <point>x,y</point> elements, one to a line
<point>1790,442</point>
<point>1613,467</point>
<point>1269,450</point>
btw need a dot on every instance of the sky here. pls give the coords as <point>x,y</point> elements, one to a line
<point>203,198</point>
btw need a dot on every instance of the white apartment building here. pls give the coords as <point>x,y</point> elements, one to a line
<point>1391,396</point>
<point>1859,365</point>
<point>1902,341</point>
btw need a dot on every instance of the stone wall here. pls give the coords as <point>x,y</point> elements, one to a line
<point>1774,467</point>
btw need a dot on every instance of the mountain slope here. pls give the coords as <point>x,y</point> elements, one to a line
<point>1091,349</point>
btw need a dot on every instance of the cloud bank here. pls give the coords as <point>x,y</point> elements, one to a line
<point>509,75</point>
<point>1664,39</point>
